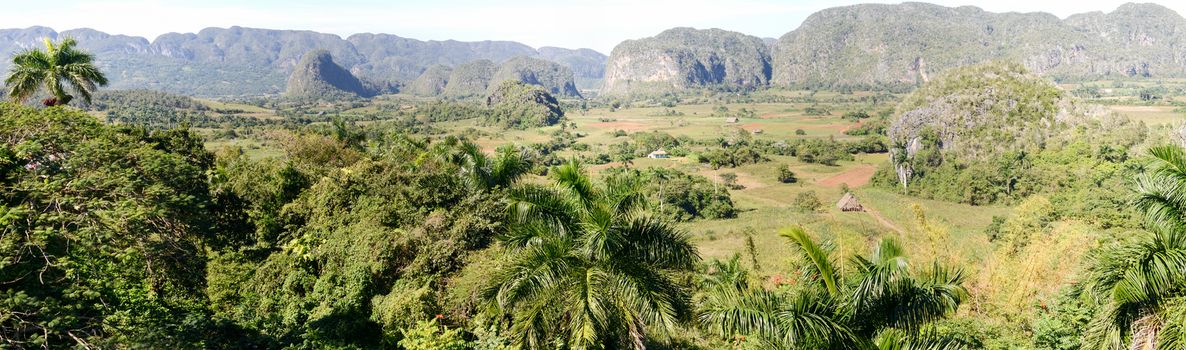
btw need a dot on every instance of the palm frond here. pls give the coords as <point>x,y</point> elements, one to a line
<point>821,262</point>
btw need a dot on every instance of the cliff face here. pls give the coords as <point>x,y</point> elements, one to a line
<point>684,58</point>
<point>877,44</point>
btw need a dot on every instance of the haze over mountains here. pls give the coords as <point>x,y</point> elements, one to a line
<point>859,46</point>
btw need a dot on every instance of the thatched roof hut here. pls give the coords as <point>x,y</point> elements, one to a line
<point>849,203</point>
<point>659,153</point>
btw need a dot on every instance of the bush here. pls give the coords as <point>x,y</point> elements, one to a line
<point>428,335</point>
<point>808,201</point>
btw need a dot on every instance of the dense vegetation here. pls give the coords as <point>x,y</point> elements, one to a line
<point>517,105</point>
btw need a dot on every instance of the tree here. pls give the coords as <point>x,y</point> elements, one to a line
<point>1141,282</point>
<point>785,175</point>
<point>879,302</point>
<point>59,66</point>
<point>589,267</point>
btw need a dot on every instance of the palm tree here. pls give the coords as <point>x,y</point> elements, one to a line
<point>1140,283</point>
<point>59,68</point>
<point>482,171</point>
<point>589,267</point>
<point>882,303</point>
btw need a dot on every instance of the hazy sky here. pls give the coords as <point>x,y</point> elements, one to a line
<point>596,24</point>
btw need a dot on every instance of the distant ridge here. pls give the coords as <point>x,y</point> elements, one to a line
<point>870,46</point>
<point>252,61</point>
<point>880,46</point>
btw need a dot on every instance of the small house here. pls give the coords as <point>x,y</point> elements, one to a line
<point>658,154</point>
<point>849,203</point>
<point>757,131</point>
<point>731,120</point>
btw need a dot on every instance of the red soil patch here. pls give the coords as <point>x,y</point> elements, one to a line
<point>855,177</point>
<point>851,126</point>
<point>624,126</point>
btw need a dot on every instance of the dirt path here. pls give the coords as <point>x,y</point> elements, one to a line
<point>855,177</point>
<point>881,219</point>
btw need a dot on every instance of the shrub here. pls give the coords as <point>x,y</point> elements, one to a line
<point>808,201</point>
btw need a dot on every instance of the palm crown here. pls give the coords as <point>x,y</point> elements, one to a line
<point>880,303</point>
<point>60,67</point>
<point>1140,282</point>
<point>589,267</point>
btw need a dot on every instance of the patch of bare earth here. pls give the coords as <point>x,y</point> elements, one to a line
<point>624,126</point>
<point>855,177</point>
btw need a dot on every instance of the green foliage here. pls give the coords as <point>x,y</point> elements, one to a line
<point>882,304</point>
<point>1060,326</point>
<point>428,335</point>
<point>102,230</point>
<point>681,196</point>
<point>517,105</point>
<point>808,201</point>
<point>59,68</point>
<point>1140,281</point>
<point>785,175</point>
<point>588,266</point>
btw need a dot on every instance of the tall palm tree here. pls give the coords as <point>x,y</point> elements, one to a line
<point>482,171</point>
<point>880,304</point>
<point>590,267</point>
<point>60,67</point>
<point>1141,282</point>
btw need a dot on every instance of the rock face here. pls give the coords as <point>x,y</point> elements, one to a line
<point>900,45</point>
<point>251,61</point>
<point>682,58</point>
<point>318,77</point>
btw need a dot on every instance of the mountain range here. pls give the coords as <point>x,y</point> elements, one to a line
<point>868,45</point>
<point>251,61</point>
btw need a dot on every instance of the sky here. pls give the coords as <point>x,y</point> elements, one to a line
<point>596,24</point>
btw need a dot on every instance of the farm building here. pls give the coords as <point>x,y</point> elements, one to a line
<point>731,120</point>
<point>659,153</point>
<point>849,203</point>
